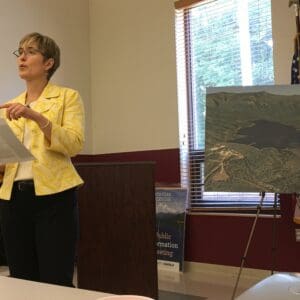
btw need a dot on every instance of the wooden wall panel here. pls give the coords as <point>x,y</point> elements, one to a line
<point>117,245</point>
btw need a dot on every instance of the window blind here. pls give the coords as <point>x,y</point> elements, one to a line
<point>218,43</point>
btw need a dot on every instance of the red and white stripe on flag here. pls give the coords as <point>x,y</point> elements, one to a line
<point>295,80</point>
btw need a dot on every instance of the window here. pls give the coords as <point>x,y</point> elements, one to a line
<point>218,43</point>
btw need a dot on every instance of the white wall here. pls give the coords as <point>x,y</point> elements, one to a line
<point>133,75</point>
<point>122,53</point>
<point>67,21</point>
<point>284,31</point>
<point>133,71</point>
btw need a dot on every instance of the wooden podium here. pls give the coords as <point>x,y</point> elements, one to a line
<point>117,244</point>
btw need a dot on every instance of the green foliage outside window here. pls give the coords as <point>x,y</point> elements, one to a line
<point>215,47</point>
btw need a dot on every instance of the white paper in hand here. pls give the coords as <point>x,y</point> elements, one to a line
<point>11,149</point>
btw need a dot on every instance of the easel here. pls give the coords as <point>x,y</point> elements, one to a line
<point>259,206</point>
<point>296,4</point>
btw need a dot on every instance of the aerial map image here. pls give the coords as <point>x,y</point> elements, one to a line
<point>252,139</point>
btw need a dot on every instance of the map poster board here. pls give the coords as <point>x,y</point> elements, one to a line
<point>170,227</point>
<point>252,139</point>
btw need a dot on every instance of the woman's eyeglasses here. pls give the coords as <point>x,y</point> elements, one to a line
<point>27,52</point>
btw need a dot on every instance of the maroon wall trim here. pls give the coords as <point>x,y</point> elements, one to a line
<point>167,162</point>
<point>222,240</point>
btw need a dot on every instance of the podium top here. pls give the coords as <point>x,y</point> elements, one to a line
<point>15,289</point>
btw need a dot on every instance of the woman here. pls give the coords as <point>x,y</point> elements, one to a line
<point>38,208</point>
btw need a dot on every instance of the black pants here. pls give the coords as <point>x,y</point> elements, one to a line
<point>40,235</point>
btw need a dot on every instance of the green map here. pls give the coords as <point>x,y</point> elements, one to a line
<point>252,142</point>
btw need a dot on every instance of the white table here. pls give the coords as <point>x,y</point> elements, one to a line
<point>17,289</point>
<point>281,286</point>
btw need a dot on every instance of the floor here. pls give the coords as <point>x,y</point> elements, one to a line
<point>205,282</point>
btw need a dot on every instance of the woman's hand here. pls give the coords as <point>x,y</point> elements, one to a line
<point>14,111</point>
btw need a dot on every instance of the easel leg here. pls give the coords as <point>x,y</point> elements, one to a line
<point>274,242</point>
<point>248,244</point>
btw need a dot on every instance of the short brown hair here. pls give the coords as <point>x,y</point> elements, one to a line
<point>47,46</point>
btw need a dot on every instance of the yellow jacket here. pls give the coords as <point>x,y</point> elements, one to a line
<point>52,169</point>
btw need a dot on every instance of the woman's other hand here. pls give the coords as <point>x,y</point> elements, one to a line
<point>14,111</point>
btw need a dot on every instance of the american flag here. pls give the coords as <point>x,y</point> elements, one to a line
<point>295,69</point>
<point>295,80</point>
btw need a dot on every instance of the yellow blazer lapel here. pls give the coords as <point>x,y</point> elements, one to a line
<point>50,91</point>
<point>44,105</point>
<point>47,98</point>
